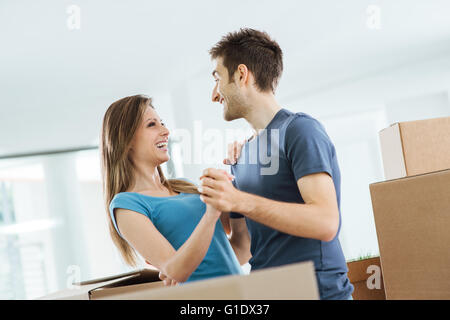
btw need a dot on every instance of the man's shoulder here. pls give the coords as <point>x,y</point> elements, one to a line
<point>300,123</point>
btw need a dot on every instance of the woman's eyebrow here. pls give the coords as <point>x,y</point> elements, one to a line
<point>161,120</point>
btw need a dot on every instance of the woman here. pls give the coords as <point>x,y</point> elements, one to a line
<point>163,220</point>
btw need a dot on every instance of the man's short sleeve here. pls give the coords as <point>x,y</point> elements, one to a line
<point>308,147</point>
<point>234,215</point>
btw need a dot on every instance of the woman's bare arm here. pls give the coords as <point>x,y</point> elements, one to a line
<point>179,264</point>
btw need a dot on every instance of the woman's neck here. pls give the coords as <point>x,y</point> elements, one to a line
<point>147,178</point>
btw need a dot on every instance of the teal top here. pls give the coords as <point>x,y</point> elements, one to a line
<point>176,217</point>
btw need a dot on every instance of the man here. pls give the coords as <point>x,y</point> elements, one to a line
<point>292,205</point>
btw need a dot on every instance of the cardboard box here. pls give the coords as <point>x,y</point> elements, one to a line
<point>101,287</point>
<point>290,282</point>
<point>412,219</point>
<point>415,147</point>
<point>367,278</point>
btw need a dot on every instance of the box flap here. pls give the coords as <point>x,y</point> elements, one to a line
<point>83,289</point>
<point>104,279</point>
<point>392,152</point>
<point>409,177</point>
<point>132,277</point>
<point>76,293</point>
<point>108,292</point>
<point>139,276</point>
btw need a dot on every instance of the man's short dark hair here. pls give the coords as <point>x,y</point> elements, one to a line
<point>262,56</point>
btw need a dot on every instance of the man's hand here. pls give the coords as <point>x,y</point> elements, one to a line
<point>217,190</point>
<point>234,152</point>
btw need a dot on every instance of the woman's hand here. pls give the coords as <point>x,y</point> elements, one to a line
<point>212,212</point>
<point>218,191</point>
<point>167,281</point>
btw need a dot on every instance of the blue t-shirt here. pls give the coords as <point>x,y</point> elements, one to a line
<point>292,146</point>
<point>176,217</point>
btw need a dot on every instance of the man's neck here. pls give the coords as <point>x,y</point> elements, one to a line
<point>263,110</point>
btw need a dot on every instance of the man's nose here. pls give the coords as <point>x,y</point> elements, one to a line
<point>215,94</point>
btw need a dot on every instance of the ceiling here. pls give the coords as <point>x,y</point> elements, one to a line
<point>56,83</point>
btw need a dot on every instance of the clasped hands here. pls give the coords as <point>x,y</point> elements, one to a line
<point>216,190</point>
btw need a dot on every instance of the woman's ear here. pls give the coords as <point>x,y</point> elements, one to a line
<point>130,152</point>
<point>131,145</point>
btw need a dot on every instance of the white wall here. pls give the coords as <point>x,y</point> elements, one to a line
<point>353,113</point>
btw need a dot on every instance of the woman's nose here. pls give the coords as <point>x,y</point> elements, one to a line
<point>165,131</point>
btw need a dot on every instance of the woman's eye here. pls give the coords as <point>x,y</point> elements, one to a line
<point>151,124</point>
<point>163,124</point>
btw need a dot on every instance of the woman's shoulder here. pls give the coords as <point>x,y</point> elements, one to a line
<point>129,200</point>
<point>126,195</point>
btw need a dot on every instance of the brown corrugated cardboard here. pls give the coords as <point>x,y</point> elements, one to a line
<point>415,147</point>
<point>105,286</point>
<point>412,219</point>
<point>362,270</point>
<point>295,282</point>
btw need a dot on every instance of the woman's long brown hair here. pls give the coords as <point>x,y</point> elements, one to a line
<point>120,123</point>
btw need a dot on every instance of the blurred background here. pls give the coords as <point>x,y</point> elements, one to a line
<point>356,65</point>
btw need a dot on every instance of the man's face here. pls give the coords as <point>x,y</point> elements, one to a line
<point>227,93</point>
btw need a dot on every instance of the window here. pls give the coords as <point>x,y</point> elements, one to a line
<point>52,217</point>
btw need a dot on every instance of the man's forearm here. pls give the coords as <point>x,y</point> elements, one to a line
<point>301,220</point>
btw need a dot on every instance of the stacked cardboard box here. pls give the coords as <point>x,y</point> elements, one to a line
<point>412,210</point>
<point>415,147</point>
<point>292,282</point>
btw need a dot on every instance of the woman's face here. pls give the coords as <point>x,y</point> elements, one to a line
<point>149,143</point>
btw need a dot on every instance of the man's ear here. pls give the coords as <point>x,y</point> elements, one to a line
<point>242,74</point>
